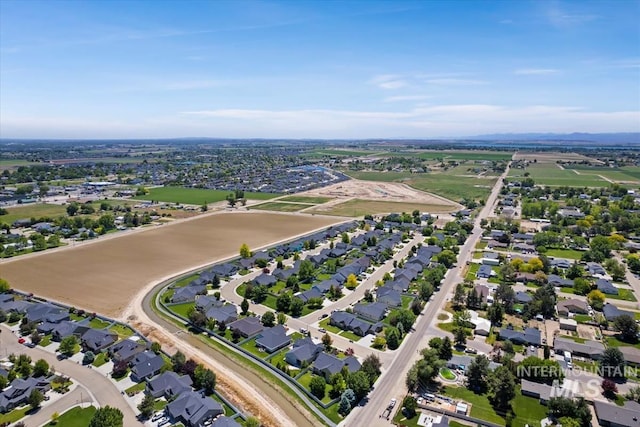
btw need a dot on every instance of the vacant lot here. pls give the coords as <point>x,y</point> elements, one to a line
<point>551,157</point>
<point>357,207</point>
<point>306,199</point>
<point>103,276</point>
<point>195,196</point>
<point>33,210</point>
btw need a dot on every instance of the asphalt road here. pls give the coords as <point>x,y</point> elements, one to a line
<point>103,390</point>
<point>391,384</point>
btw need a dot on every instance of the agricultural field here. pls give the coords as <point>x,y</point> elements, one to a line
<point>338,152</point>
<point>358,207</point>
<point>553,175</point>
<point>281,207</point>
<point>195,196</point>
<point>104,275</point>
<point>33,210</point>
<point>14,163</point>
<point>463,155</point>
<point>622,174</point>
<point>452,187</point>
<point>313,200</point>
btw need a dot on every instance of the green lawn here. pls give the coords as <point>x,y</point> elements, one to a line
<point>406,301</point>
<point>185,281</point>
<point>325,324</point>
<point>182,309</point>
<point>100,359</point>
<point>280,207</point>
<point>447,374</point>
<point>97,323</point>
<point>76,417</point>
<point>196,196</point>
<point>121,330</point>
<point>45,341</point>
<point>471,273</point>
<point>15,415</point>
<point>615,342</point>
<point>250,346</point>
<point>305,380</point>
<point>350,336</point>
<point>623,294</point>
<point>136,388</point>
<point>527,409</point>
<point>564,253</point>
<point>313,200</point>
<point>33,210</point>
<point>582,318</point>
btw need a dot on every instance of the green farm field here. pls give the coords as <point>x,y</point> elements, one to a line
<point>32,210</point>
<point>358,207</point>
<point>456,155</point>
<point>281,207</point>
<point>550,174</point>
<point>313,200</point>
<point>195,196</point>
<point>623,174</point>
<point>452,187</point>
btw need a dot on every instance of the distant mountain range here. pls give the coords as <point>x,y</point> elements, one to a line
<point>602,138</point>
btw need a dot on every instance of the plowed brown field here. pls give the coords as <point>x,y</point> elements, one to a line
<point>104,276</point>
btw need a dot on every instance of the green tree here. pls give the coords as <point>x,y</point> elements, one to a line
<point>392,335</point>
<point>359,383</point>
<point>296,307</point>
<point>502,387</point>
<point>178,361</point>
<point>146,407</point>
<point>244,306</point>
<point>268,319</point>
<point>4,286</point>
<point>106,417</point>
<point>283,302</point>
<point>245,252</point>
<point>445,352</point>
<point>205,379</point>
<point>477,373</point>
<point>627,327</point>
<point>447,258</point>
<point>252,422</point>
<point>409,404</point>
<point>581,286</point>
<point>345,406</point>
<point>306,272</point>
<point>327,342</point>
<point>495,314</point>
<point>402,316</point>
<point>68,345</point>
<point>595,299</point>
<point>41,368</point>
<point>458,296</point>
<point>88,358</point>
<point>281,318</point>
<point>371,366</point>
<point>612,363</point>
<point>317,386</point>
<point>35,398</point>
<point>352,282</point>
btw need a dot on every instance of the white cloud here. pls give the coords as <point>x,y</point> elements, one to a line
<point>403,98</point>
<point>388,81</point>
<point>536,71</point>
<point>451,81</point>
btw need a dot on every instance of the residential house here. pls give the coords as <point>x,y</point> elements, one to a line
<point>483,292</point>
<point>188,293</point>
<point>168,385</point>
<point>544,392</point>
<point>523,297</point>
<point>224,270</point>
<point>45,312</point>
<point>490,258</point>
<point>349,322</point>
<point>97,340</point>
<point>481,325</point>
<point>596,269</point>
<point>273,339</point>
<point>558,281</point>
<point>247,326</point>
<point>612,415</point>
<point>529,336</point>
<point>146,365</point>
<point>303,353</point>
<point>264,280</point>
<point>463,361</point>
<point>572,305</point>
<point>305,296</point>
<point>484,272</point>
<point>388,296</point>
<point>560,263</point>
<point>611,312</point>
<point>125,350</point>
<point>193,409</point>
<point>327,365</point>
<point>525,277</point>
<point>606,287</point>
<point>374,311</point>
<point>631,355</point>
<point>19,390</point>
<point>225,422</point>
<point>590,349</point>
<point>222,313</point>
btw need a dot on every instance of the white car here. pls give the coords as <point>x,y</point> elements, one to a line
<point>392,403</point>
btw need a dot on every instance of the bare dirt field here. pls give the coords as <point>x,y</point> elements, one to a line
<point>358,207</point>
<point>104,276</point>
<point>548,157</point>
<point>380,192</point>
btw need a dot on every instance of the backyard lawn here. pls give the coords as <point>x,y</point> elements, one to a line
<point>76,417</point>
<point>182,309</point>
<point>564,253</point>
<point>250,346</point>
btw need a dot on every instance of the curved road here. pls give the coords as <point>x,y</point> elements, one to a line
<point>103,390</point>
<point>391,383</point>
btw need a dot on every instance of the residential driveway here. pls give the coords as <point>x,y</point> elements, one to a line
<point>102,389</point>
<point>75,397</point>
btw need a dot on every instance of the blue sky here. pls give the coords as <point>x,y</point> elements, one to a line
<point>333,69</point>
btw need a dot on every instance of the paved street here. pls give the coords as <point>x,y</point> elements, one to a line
<point>103,390</point>
<point>392,382</point>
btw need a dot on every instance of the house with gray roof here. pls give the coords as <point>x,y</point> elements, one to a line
<point>529,336</point>
<point>572,305</point>
<point>273,339</point>
<point>349,322</point>
<point>188,293</point>
<point>247,326</point>
<point>225,422</point>
<point>19,390</point>
<point>484,272</point>
<point>327,365</point>
<point>146,365</point>
<point>45,312</point>
<point>596,269</point>
<point>560,263</point>
<point>388,296</point>
<point>125,350</point>
<point>611,312</point>
<point>169,385</point>
<point>523,297</point>
<point>304,352</point>
<point>225,270</point>
<point>305,296</point>
<point>612,415</point>
<point>558,281</point>
<point>222,313</point>
<point>193,409</point>
<point>97,339</point>
<point>6,297</point>
<point>374,311</point>
<point>606,287</point>
<point>590,349</point>
<point>463,362</point>
<point>264,280</point>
